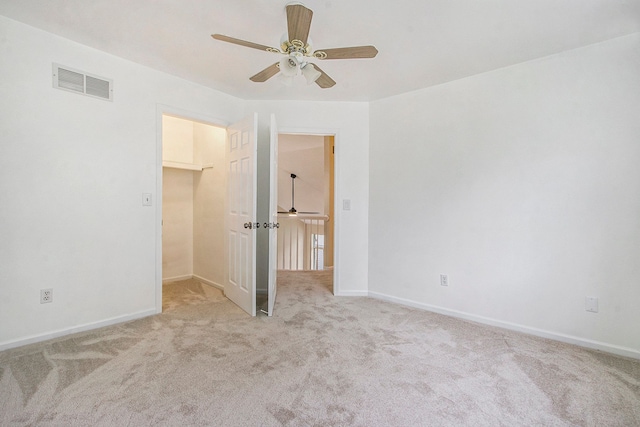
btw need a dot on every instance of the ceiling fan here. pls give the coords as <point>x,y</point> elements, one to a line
<point>296,45</point>
<point>293,210</point>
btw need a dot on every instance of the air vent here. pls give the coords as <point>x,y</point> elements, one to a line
<point>67,78</point>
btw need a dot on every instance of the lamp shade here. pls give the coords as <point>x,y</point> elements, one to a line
<point>310,73</point>
<point>286,80</point>
<point>289,66</point>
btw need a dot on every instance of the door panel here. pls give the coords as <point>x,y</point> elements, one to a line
<point>240,209</point>
<point>273,214</point>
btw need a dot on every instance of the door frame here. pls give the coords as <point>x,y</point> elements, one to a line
<point>161,110</point>
<point>336,191</point>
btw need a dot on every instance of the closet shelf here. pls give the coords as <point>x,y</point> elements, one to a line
<point>185,166</point>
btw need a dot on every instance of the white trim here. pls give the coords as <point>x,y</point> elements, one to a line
<point>569,339</point>
<point>82,328</point>
<point>209,282</point>
<point>177,278</point>
<point>194,277</point>
<point>347,293</point>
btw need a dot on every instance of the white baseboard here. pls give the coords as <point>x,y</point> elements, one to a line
<point>208,282</point>
<point>582,342</point>
<point>193,276</point>
<point>81,328</point>
<point>347,293</point>
<point>177,278</point>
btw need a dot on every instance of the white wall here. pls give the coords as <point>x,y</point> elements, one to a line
<point>209,190</point>
<point>177,224</point>
<point>177,140</point>
<point>177,199</point>
<point>523,186</point>
<point>304,156</point>
<point>350,122</point>
<point>72,173</point>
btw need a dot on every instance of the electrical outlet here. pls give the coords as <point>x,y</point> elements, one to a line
<point>46,296</point>
<point>444,280</point>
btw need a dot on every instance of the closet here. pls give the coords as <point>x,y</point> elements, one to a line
<point>193,191</point>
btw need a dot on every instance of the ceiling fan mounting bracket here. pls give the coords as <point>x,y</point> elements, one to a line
<point>295,47</point>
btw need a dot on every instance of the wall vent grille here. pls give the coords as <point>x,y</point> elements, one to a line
<point>71,80</point>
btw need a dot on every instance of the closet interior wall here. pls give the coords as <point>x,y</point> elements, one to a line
<point>193,201</point>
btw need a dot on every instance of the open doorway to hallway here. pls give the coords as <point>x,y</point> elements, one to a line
<point>306,203</point>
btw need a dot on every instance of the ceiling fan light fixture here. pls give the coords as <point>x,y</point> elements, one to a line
<point>289,66</point>
<point>297,47</point>
<point>310,73</point>
<point>286,80</point>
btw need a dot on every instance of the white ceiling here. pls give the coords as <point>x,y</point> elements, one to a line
<point>421,42</point>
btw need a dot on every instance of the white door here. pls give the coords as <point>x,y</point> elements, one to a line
<point>273,214</point>
<point>240,214</point>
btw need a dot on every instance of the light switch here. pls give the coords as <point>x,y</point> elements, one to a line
<point>346,204</point>
<point>146,199</point>
<point>591,304</point>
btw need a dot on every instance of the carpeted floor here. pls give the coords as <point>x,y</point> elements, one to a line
<point>320,361</point>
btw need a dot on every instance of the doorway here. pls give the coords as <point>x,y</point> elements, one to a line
<point>200,167</point>
<point>193,192</point>
<point>306,203</point>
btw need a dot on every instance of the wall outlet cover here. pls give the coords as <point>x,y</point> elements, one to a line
<point>46,296</point>
<point>444,280</point>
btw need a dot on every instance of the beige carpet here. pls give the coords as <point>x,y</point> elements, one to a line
<point>320,361</point>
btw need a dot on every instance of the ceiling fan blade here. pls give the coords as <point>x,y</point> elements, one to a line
<point>266,74</point>
<point>298,22</point>
<point>346,52</point>
<point>324,81</point>
<point>243,43</point>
